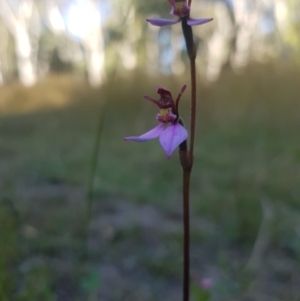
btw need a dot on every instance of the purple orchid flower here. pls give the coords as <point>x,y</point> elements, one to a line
<point>180,9</point>
<point>170,132</point>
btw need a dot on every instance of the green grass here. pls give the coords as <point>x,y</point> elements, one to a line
<point>247,153</point>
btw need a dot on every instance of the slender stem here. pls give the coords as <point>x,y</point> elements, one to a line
<point>186,156</point>
<point>186,159</point>
<point>91,178</point>
<point>193,106</point>
<point>186,235</point>
<point>189,3</point>
<point>191,51</point>
<point>95,158</point>
<point>94,161</point>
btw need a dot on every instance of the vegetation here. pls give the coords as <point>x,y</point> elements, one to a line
<point>245,191</point>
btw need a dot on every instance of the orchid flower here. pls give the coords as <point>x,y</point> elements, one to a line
<point>180,9</point>
<point>170,131</point>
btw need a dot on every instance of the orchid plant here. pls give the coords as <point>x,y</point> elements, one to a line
<point>172,136</point>
<point>171,131</point>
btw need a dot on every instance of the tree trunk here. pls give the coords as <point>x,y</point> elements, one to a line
<point>23,47</point>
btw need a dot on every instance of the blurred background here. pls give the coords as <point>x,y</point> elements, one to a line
<point>75,226</point>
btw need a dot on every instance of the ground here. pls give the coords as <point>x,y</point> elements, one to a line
<point>245,210</point>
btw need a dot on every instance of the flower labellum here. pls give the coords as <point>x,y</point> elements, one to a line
<point>179,9</point>
<point>170,132</point>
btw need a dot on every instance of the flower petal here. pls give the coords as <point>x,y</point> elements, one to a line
<point>193,22</point>
<point>162,22</point>
<point>152,134</point>
<point>171,137</point>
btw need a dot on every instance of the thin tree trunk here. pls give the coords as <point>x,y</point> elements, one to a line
<point>20,32</point>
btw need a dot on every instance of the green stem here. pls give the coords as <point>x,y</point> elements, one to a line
<point>91,180</point>
<point>95,155</point>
